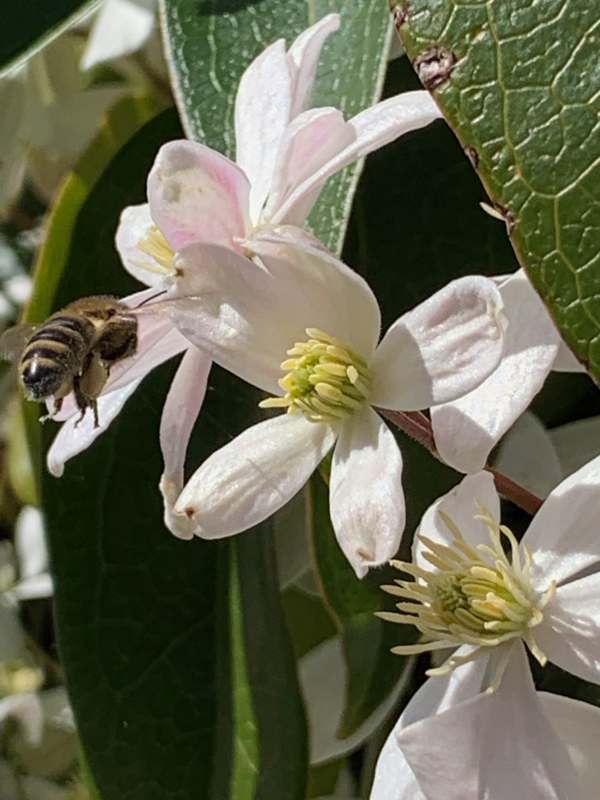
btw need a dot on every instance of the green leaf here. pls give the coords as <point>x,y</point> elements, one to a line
<point>520,85</point>
<point>350,73</point>
<point>28,26</point>
<point>390,242</point>
<point>164,642</point>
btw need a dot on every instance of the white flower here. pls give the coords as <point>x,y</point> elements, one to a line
<point>120,28</point>
<point>305,303</point>
<point>467,429</point>
<point>544,594</point>
<point>457,741</point>
<point>28,578</point>
<point>284,153</point>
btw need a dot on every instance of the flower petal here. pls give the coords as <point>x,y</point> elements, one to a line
<point>303,57</point>
<point>460,504</point>
<point>374,128</point>
<point>121,28</point>
<point>33,588</point>
<point>578,725</point>
<point>134,226</point>
<point>308,142</point>
<point>74,437</point>
<point>197,195</point>
<point>254,475</point>
<point>27,709</point>
<point>442,349</point>
<point>30,542</point>
<point>323,675</point>
<point>467,429</point>
<point>179,415</point>
<point>496,745</point>
<point>563,536</point>
<point>365,491</point>
<point>527,455</point>
<point>262,110</point>
<point>570,632</point>
<point>248,316</point>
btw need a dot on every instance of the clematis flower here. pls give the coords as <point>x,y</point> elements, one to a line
<point>303,312</point>
<point>120,28</point>
<point>544,594</point>
<point>285,153</point>
<point>466,430</point>
<point>456,740</point>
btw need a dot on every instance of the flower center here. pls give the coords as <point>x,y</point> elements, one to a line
<point>476,596</point>
<point>325,379</point>
<point>156,246</point>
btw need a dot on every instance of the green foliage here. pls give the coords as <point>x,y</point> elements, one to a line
<point>520,84</point>
<point>207,72</point>
<point>28,26</point>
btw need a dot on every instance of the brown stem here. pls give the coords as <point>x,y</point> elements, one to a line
<point>416,425</point>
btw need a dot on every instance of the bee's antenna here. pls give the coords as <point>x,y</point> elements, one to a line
<point>148,299</point>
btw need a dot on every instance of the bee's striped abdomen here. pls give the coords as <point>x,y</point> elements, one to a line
<point>54,354</point>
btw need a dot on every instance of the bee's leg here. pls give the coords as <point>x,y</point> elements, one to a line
<point>58,402</point>
<point>80,399</point>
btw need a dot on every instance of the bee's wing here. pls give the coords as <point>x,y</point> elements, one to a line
<point>13,341</point>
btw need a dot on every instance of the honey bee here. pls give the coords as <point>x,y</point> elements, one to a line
<point>72,351</point>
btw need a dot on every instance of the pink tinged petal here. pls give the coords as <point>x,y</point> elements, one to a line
<point>253,476</point>
<point>262,111</point>
<point>134,227</point>
<point>180,412</point>
<point>27,710</point>
<point>563,536</point>
<point>442,349</point>
<point>248,316</point>
<point>309,141</point>
<point>570,631</point>
<point>365,491</point>
<point>467,429</point>
<point>461,504</point>
<point>578,725</point>
<point>303,57</point>
<point>74,438</point>
<point>197,195</point>
<point>496,745</point>
<point>373,128</point>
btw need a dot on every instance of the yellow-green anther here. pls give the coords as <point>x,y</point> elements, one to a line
<point>325,379</point>
<point>478,596</point>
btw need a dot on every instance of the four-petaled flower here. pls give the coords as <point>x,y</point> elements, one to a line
<point>304,312</point>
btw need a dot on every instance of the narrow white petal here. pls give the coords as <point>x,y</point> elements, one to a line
<point>179,415</point>
<point>254,475</point>
<point>442,349</point>
<point>365,490</point>
<point>467,429</point>
<point>570,631</point>
<point>496,745</point>
<point>248,316</point>
<point>262,111</point>
<point>461,504</point>
<point>303,57</point>
<point>374,128</point>
<point>308,142</point>
<point>73,437</point>
<point>528,456</point>
<point>121,28</point>
<point>563,535</point>
<point>33,588</point>
<point>576,443</point>
<point>30,542</point>
<point>134,226</point>
<point>578,726</point>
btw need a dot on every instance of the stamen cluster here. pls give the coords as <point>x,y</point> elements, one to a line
<point>325,379</point>
<point>156,246</point>
<point>475,596</point>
